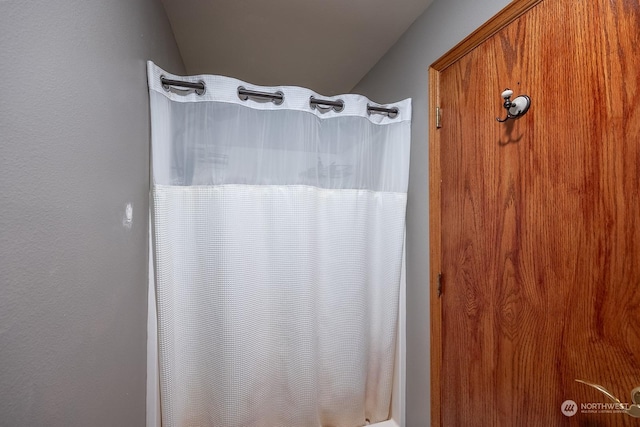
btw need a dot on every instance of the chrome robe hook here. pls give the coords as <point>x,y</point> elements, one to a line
<point>516,108</point>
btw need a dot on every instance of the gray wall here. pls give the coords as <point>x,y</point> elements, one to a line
<point>74,150</point>
<point>403,73</point>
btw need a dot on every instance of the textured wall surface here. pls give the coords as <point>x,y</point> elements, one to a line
<point>403,73</point>
<point>74,154</point>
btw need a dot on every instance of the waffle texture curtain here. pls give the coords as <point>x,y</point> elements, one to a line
<point>277,243</point>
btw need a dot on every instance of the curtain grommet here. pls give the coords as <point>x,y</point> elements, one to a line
<point>276,97</point>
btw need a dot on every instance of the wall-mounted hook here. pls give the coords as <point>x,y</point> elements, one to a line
<point>516,108</point>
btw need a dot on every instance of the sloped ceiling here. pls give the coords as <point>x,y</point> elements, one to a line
<point>325,45</point>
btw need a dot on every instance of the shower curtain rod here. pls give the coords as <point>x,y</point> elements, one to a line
<point>277,97</point>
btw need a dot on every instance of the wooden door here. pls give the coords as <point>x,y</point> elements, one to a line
<point>536,222</point>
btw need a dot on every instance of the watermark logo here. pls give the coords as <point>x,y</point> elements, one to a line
<point>604,408</point>
<point>569,408</point>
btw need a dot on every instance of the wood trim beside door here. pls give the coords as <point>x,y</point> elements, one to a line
<point>435,248</point>
<point>505,17</point>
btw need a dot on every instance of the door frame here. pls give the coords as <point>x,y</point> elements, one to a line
<point>505,17</point>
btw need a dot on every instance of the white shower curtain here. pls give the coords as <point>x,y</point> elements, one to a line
<point>277,242</point>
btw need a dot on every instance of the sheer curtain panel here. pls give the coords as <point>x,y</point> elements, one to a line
<point>277,243</point>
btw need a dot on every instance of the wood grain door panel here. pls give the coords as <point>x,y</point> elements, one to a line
<point>540,219</point>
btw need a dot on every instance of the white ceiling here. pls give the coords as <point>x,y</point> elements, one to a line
<point>325,45</point>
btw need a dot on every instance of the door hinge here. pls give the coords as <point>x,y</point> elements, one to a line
<point>439,284</point>
<point>438,117</point>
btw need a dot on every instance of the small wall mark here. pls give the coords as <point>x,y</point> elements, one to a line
<point>127,218</point>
